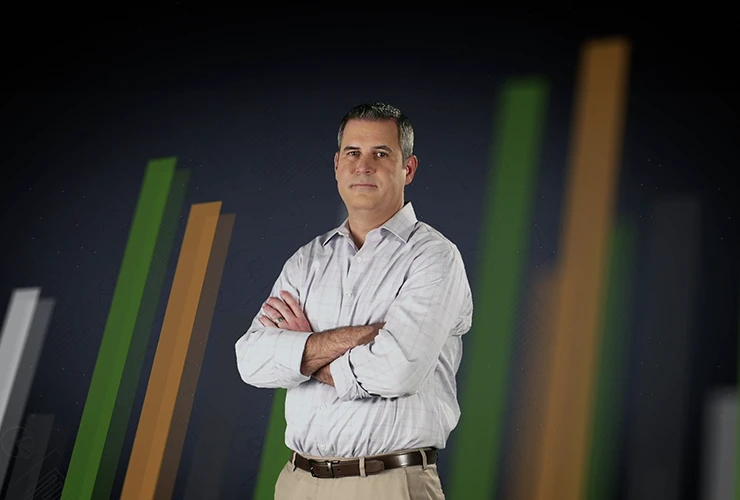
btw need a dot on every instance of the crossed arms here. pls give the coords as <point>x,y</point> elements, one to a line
<point>387,360</point>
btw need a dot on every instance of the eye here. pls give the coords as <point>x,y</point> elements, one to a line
<point>382,153</point>
<point>353,153</point>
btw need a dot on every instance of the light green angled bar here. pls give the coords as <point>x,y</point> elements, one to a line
<point>119,328</point>
<point>508,207</point>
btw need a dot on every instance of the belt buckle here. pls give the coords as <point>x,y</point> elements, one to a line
<point>328,463</point>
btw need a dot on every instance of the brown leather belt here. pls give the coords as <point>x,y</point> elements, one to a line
<point>326,469</point>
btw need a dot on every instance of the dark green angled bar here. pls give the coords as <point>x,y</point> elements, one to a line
<point>274,452</point>
<point>140,339</point>
<point>508,207</point>
<point>608,421</point>
<point>116,342</point>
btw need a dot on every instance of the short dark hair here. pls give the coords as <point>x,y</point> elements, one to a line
<point>377,112</point>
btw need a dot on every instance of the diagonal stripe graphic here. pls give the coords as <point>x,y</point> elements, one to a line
<point>155,423</point>
<point>27,466</point>
<point>119,328</point>
<point>194,360</point>
<point>504,239</point>
<point>656,442</point>
<point>608,426</point>
<point>139,340</point>
<point>587,221</point>
<point>274,451</point>
<point>19,352</point>
<point>529,400</point>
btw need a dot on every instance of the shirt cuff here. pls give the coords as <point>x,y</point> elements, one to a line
<point>345,382</point>
<point>289,347</point>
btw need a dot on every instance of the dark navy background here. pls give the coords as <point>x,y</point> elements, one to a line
<point>250,102</point>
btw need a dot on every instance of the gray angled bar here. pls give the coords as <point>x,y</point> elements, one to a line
<point>33,444</point>
<point>719,440</point>
<point>656,451</point>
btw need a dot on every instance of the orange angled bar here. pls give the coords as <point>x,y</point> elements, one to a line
<point>588,220</point>
<point>157,414</point>
<point>194,359</point>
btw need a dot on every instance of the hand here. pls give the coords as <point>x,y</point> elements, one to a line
<point>289,309</point>
<point>371,336</point>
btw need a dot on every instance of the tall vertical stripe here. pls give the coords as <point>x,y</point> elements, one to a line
<point>119,328</point>
<point>159,403</point>
<point>504,240</point>
<point>528,403</point>
<point>27,466</point>
<point>719,437</point>
<point>194,359</point>
<point>588,217</point>
<point>140,338</point>
<point>656,451</point>
<point>608,426</point>
<point>274,451</point>
<point>22,337</point>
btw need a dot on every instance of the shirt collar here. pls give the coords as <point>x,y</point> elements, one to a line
<point>401,224</point>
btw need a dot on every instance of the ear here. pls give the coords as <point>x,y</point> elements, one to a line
<point>412,163</point>
<point>336,164</point>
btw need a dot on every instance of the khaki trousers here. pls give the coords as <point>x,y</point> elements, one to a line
<point>404,483</point>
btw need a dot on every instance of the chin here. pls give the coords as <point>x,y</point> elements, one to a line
<point>360,204</point>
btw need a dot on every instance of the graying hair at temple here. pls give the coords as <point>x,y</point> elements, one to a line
<point>380,111</point>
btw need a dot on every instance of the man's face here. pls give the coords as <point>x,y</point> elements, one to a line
<point>369,167</point>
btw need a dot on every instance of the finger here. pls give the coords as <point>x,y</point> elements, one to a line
<point>292,303</point>
<point>266,321</point>
<point>271,312</point>
<point>279,306</point>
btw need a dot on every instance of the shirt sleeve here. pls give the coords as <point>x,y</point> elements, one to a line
<point>270,357</point>
<point>426,311</point>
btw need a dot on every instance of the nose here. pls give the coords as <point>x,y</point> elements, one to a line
<point>364,166</point>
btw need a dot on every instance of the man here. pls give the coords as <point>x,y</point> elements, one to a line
<point>364,329</point>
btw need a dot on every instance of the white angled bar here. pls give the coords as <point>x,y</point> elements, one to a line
<point>720,431</point>
<point>20,344</point>
<point>16,327</point>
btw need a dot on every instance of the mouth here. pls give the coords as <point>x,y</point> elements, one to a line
<point>362,185</point>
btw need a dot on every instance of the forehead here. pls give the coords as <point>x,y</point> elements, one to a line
<point>376,131</point>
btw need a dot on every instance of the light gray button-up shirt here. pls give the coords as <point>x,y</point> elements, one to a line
<point>397,392</point>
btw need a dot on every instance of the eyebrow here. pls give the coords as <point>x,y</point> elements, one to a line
<point>379,146</point>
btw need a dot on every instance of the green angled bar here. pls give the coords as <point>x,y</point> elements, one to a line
<point>274,451</point>
<point>610,390</point>
<point>477,439</point>
<point>114,348</point>
<point>140,338</point>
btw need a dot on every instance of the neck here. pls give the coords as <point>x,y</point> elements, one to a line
<point>362,222</point>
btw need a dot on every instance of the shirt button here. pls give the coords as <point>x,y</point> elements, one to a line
<point>322,447</point>
<point>349,295</point>
<point>322,407</point>
<point>359,259</point>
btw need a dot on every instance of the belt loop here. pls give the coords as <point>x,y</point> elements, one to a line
<point>423,459</point>
<point>362,467</point>
<point>292,461</point>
